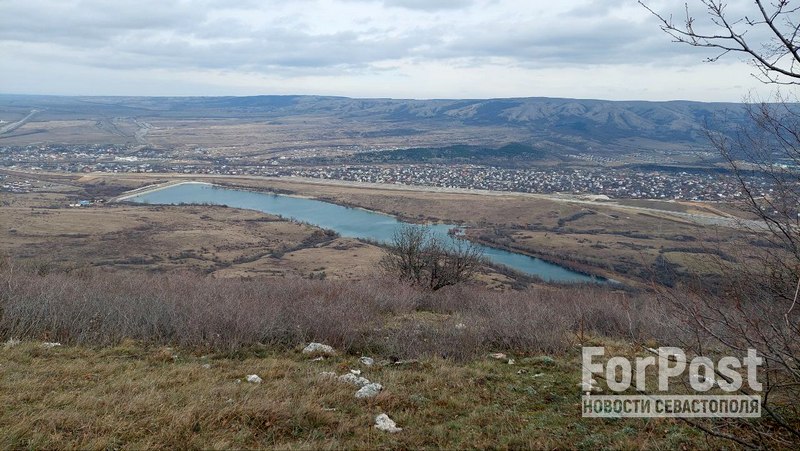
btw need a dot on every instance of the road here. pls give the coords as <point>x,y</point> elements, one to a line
<point>15,125</point>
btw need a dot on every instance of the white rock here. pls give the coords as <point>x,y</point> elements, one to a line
<point>367,361</point>
<point>498,356</point>
<point>11,343</point>
<point>461,326</point>
<point>511,361</point>
<point>253,379</point>
<point>318,359</point>
<point>49,345</point>
<point>384,423</point>
<point>351,378</point>
<point>369,391</point>
<point>356,372</point>
<point>207,366</point>
<point>318,348</point>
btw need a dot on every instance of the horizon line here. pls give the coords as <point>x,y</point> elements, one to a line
<point>431,99</point>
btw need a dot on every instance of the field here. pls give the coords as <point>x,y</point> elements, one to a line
<point>630,242</point>
<point>40,227</point>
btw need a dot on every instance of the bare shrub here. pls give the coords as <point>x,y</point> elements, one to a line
<point>418,256</point>
<point>748,315</point>
<point>379,315</point>
<point>756,307</point>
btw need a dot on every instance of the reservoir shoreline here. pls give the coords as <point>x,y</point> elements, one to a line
<point>348,221</point>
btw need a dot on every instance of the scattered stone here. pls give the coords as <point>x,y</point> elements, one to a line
<point>351,378</point>
<point>11,343</point>
<point>406,362</point>
<point>367,361</point>
<point>319,348</point>
<point>329,409</point>
<point>384,423</point>
<point>356,372</point>
<point>237,381</point>
<point>327,375</point>
<point>461,326</point>
<point>523,371</point>
<point>253,379</point>
<point>511,361</point>
<point>50,345</point>
<point>498,356</point>
<point>207,366</point>
<point>369,391</point>
<point>318,359</point>
<point>538,375</point>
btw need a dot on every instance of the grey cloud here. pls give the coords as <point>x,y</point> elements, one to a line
<point>430,5</point>
<point>183,34</point>
<point>598,40</point>
<point>277,50</point>
<point>422,5</point>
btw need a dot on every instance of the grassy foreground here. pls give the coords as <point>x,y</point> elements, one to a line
<point>131,397</point>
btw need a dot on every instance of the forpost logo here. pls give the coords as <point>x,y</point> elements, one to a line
<point>714,389</point>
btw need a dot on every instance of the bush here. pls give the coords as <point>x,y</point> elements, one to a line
<point>378,315</point>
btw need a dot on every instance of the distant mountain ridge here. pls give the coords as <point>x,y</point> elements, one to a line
<point>558,120</point>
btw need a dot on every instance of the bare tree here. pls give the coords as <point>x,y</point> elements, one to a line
<point>417,255</point>
<point>776,61</point>
<point>759,308</point>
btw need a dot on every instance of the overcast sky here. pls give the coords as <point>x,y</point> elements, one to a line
<point>607,49</point>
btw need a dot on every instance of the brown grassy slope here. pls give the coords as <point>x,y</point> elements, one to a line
<point>133,397</point>
<point>135,394</point>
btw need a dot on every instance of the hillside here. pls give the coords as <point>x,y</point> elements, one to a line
<point>569,124</point>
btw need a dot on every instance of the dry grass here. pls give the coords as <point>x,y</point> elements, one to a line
<point>132,374</point>
<point>224,241</point>
<point>135,397</point>
<point>188,310</point>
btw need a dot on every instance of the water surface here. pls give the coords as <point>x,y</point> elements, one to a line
<point>348,222</point>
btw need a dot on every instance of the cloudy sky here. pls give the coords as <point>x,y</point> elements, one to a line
<point>608,49</point>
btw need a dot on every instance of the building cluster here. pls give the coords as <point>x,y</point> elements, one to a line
<point>15,186</point>
<point>617,182</point>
